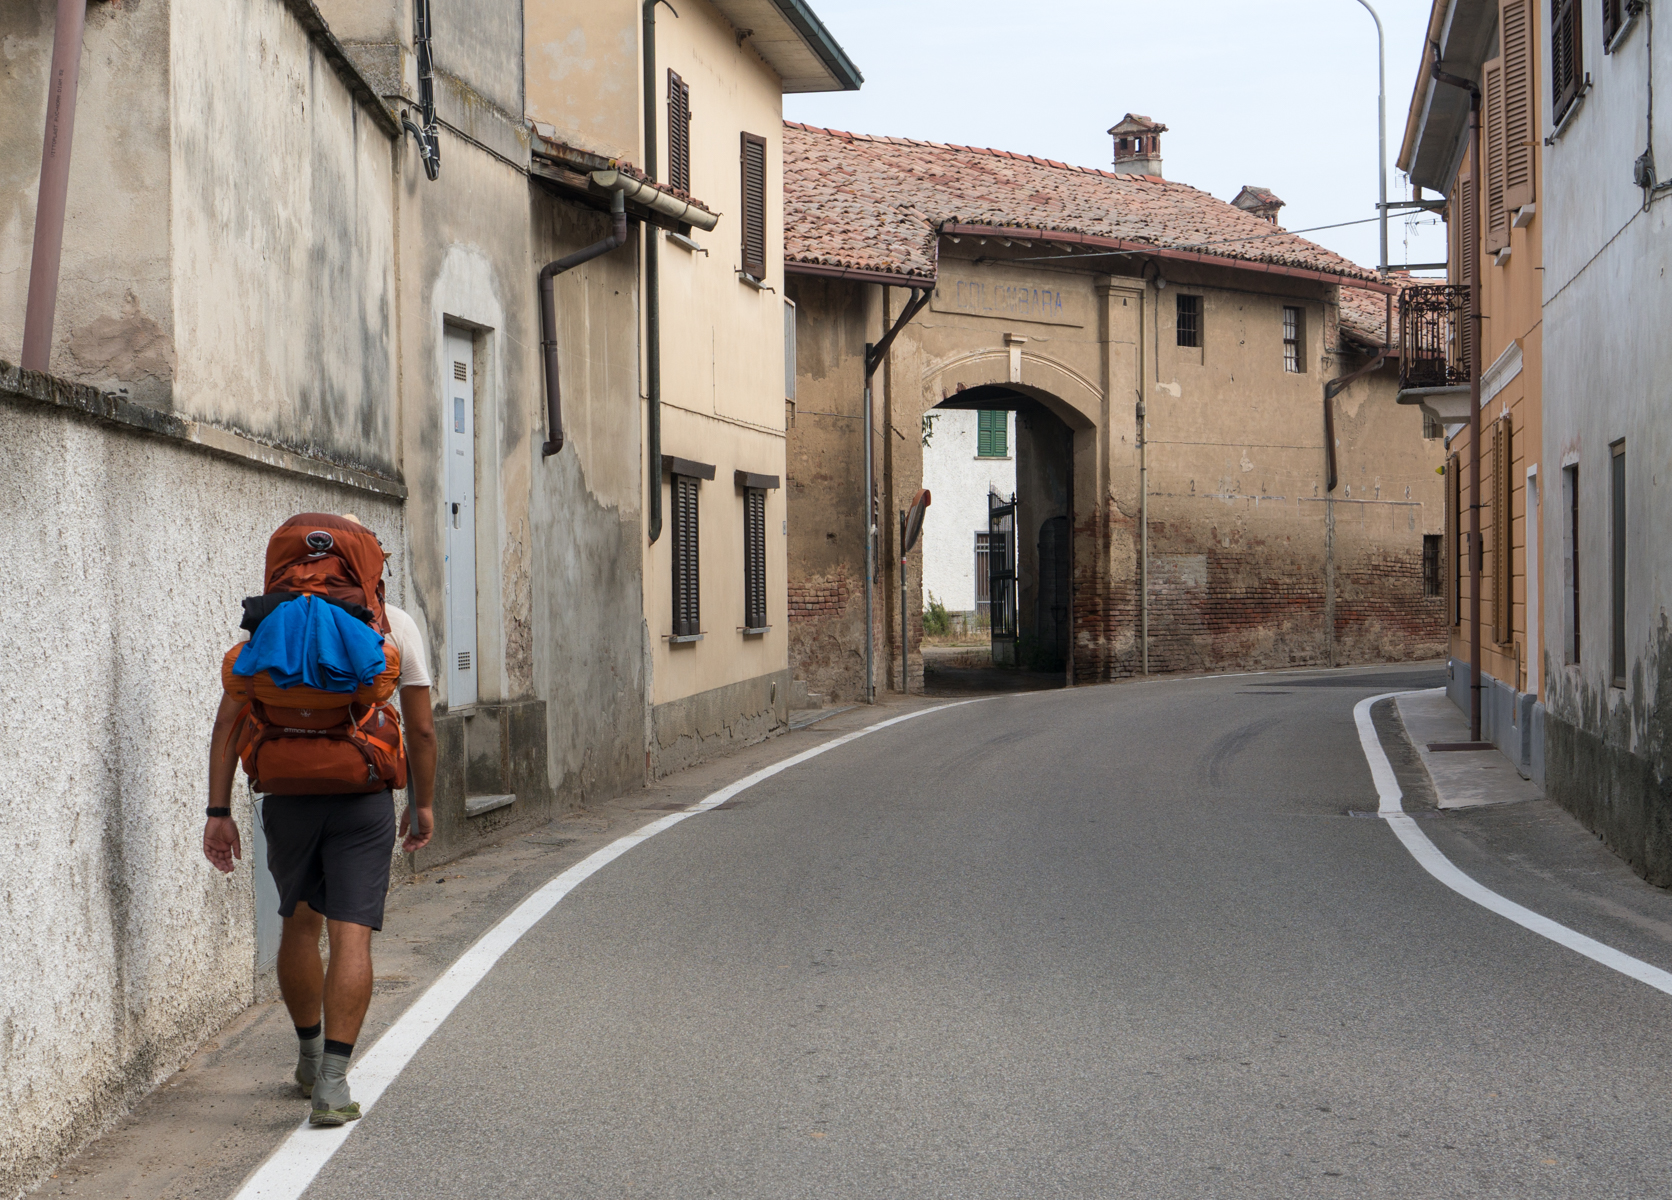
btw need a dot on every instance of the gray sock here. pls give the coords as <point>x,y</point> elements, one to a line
<point>311,1050</point>
<point>331,1089</point>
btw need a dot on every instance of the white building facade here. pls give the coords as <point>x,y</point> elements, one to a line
<point>1607,563</point>
<point>967,455</point>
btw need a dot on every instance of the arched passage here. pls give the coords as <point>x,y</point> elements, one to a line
<point>1018,538</point>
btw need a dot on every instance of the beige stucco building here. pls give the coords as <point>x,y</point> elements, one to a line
<point>1212,470</point>
<point>301,272</point>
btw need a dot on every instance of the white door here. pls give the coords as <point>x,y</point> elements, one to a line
<point>459,514</point>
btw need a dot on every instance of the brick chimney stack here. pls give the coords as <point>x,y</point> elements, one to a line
<point>1262,202</point>
<point>1137,145</point>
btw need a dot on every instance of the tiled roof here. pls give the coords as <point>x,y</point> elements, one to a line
<point>875,204</point>
<point>1364,315</point>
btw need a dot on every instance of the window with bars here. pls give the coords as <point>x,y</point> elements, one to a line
<point>679,132</point>
<point>754,558</point>
<point>1294,325</point>
<point>1567,76</point>
<point>983,569</point>
<point>1433,554</point>
<point>1189,321</point>
<point>754,205</point>
<point>992,434</point>
<point>687,614</point>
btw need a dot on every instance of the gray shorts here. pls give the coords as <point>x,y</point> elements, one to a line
<point>332,852</point>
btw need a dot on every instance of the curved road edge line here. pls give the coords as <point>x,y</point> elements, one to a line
<point>292,1166</point>
<point>1428,856</point>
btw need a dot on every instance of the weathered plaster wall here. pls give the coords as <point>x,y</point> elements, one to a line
<point>114,325</point>
<point>283,222</point>
<point>582,73</point>
<point>1608,750</point>
<point>127,562</point>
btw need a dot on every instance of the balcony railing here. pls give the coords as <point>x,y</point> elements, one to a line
<point>1433,336</point>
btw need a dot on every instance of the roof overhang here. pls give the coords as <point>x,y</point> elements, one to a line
<point>792,40</point>
<point>858,274</point>
<point>1147,249</point>
<point>1437,126</point>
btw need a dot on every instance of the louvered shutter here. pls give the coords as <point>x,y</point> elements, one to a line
<point>1520,127</point>
<point>687,618</point>
<point>1454,549</point>
<point>1502,530</point>
<point>1611,20</point>
<point>1566,63</point>
<point>754,205</point>
<point>1463,210</point>
<point>679,133</point>
<point>1496,229</point>
<point>754,558</point>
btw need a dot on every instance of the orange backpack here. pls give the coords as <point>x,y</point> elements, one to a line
<point>302,740</point>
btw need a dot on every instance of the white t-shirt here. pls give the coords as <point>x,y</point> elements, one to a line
<point>415,666</point>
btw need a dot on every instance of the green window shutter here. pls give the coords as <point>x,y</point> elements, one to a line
<point>992,433</point>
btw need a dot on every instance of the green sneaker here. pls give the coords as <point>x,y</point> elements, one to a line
<point>335,1116</point>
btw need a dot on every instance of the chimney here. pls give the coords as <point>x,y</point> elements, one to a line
<point>1137,145</point>
<point>1262,202</point>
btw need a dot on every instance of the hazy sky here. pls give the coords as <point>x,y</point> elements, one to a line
<point>1281,94</point>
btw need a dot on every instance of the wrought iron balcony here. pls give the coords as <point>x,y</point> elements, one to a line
<point>1433,336</point>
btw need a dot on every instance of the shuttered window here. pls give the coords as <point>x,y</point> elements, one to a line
<point>1520,123</point>
<point>1454,539</point>
<point>1503,524</point>
<point>679,133</point>
<point>687,617</point>
<point>1462,219</point>
<point>1495,231</point>
<point>1566,63</point>
<point>1613,16</point>
<point>992,436</point>
<point>754,206</point>
<point>754,558</point>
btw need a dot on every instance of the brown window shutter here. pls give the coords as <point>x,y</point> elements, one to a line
<point>1520,128</point>
<point>687,617</point>
<point>754,205</point>
<point>1496,230</point>
<point>1611,20</point>
<point>1454,550</point>
<point>679,133</point>
<point>1503,584</point>
<point>754,558</point>
<point>1566,64</point>
<point>1463,213</point>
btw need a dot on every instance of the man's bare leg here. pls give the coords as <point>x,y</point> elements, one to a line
<point>302,984</point>
<point>348,993</point>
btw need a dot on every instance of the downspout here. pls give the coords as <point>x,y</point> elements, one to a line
<point>55,184</point>
<point>652,283</point>
<point>1474,391</point>
<point>548,318</point>
<point>873,359</point>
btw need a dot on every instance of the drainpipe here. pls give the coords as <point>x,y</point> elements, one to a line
<point>55,184</point>
<point>652,282</point>
<point>548,318</point>
<point>873,359</point>
<point>1475,349</point>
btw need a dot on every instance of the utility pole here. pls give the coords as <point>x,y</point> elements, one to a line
<point>1382,128</point>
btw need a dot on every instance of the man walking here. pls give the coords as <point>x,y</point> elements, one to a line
<point>329,852</point>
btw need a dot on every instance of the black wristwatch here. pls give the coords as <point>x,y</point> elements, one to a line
<point>213,811</point>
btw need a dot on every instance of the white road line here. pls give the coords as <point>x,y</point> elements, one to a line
<point>1440,867</point>
<point>291,1168</point>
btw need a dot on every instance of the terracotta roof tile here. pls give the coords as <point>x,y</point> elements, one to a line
<point>876,203</point>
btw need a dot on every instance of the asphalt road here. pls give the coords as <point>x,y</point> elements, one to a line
<point>1122,941</point>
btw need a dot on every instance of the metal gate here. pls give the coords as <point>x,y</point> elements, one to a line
<point>1001,577</point>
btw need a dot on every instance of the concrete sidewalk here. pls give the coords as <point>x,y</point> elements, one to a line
<point>1462,778</point>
